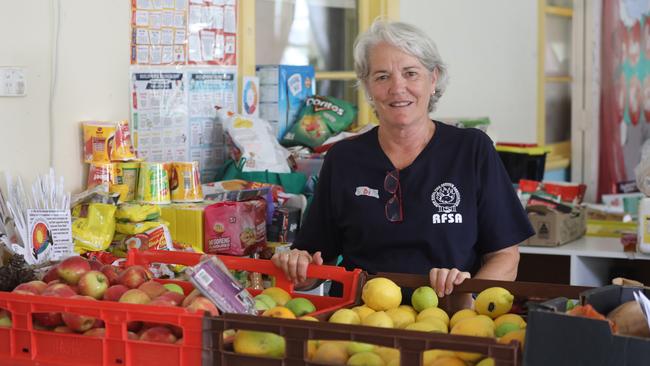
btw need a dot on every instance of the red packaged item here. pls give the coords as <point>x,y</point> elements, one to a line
<point>235,228</point>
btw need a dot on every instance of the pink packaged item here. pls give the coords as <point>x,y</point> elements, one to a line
<point>235,228</point>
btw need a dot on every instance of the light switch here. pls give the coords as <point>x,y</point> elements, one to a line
<point>12,82</point>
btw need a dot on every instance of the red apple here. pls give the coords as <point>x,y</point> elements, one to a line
<point>114,292</point>
<point>162,302</point>
<point>62,329</point>
<point>95,332</point>
<point>93,284</point>
<point>179,341</point>
<point>5,319</point>
<point>135,276</point>
<point>135,296</point>
<point>95,264</point>
<point>152,288</point>
<point>51,275</point>
<point>202,304</point>
<point>158,334</point>
<point>111,273</point>
<point>178,331</point>
<point>131,335</point>
<point>58,290</point>
<point>30,288</point>
<point>133,326</point>
<point>188,300</point>
<point>99,323</point>
<point>47,319</point>
<point>78,322</point>
<point>173,296</point>
<point>71,269</point>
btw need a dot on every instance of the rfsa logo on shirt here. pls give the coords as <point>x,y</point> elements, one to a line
<point>446,198</point>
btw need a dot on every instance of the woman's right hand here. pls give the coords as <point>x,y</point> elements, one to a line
<point>294,264</point>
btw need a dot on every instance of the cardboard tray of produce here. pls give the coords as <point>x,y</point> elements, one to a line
<point>556,338</point>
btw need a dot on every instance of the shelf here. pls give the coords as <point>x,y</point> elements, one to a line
<point>336,75</point>
<point>558,79</point>
<point>588,246</point>
<point>559,11</point>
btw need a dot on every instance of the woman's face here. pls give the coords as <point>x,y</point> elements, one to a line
<point>399,85</point>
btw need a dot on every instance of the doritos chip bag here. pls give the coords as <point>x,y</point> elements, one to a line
<point>320,118</point>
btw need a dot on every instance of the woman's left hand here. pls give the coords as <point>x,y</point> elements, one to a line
<point>443,280</point>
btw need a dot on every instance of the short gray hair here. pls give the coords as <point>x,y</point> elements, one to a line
<point>410,40</point>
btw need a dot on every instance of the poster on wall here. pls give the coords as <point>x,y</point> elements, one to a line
<point>181,32</point>
<point>207,90</point>
<point>173,115</point>
<point>625,91</point>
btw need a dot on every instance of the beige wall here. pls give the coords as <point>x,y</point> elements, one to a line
<point>490,47</point>
<point>491,53</point>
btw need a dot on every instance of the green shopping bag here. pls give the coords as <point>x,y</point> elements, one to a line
<point>291,182</point>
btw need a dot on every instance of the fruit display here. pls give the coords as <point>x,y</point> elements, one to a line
<point>75,278</point>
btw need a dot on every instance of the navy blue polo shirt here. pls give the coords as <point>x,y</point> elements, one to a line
<point>458,204</point>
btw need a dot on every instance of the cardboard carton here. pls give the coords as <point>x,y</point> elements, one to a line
<point>554,228</point>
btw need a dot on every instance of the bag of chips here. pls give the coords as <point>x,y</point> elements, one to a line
<point>320,118</point>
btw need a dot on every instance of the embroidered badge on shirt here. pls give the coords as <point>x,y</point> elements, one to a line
<point>366,191</point>
<point>446,198</point>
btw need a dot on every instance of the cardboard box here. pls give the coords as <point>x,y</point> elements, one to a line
<point>284,225</point>
<point>555,338</point>
<point>554,228</point>
<point>283,90</point>
<point>185,224</point>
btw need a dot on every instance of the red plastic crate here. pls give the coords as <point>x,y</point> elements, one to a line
<point>324,304</point>
<point>24,345</point>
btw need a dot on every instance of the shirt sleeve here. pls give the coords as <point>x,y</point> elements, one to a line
<point>319,231</point>
<point>502,220</point>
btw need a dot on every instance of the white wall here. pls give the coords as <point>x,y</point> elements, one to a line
<point>92,80</point>
<point>489,45</point>
<point>491,49</point>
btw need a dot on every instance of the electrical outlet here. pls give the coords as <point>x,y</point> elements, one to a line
<point>12,82</point>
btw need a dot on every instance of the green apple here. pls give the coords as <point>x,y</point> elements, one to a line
<point>300,306</point>
<point>174,288</point>
<point>423,298</point>
<point>268,300</point>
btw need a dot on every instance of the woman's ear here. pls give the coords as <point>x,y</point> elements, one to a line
<point>434,79</point>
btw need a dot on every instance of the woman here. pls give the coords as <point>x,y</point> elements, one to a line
<point>412,195</point>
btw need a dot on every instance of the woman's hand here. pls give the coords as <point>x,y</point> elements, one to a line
<point>294,264</point>
<point>443,280</point>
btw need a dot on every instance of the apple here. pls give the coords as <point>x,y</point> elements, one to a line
<point>173,296</point>
<point>99,323</point>
<point>62,329</point>
<point>112,273</point>
<point>188,300</point>
<point>95,264</point>
<point>30,288</point>
<point>174,288</point>
<point>93,284</point>
<point>58,290</point>
<point>135,276</point>
<point>158,334</point>
<point>131,335</point>
<point>78,322</point>
<point>133,326</point>
<point>203,304</point>
<point>5,319</point>
<point>51,275</point>
<point>162,302</point>
<point>152,288</point>
<point>114,292</point>
<point>71,269</point>
<point>179,341</point>
<point>47,319</point>
<point>95,332</point>
<point>135,296</point>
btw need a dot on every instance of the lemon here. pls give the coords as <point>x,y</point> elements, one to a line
<point>510,318</point>
<point>493,301</point>
<point>424,297</point>
<point>460,315</point>
<point>401,317</point>
<point>435,312</point>
<point>381,294</point>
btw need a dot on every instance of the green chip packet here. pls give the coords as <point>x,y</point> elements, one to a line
<point>320,118</point>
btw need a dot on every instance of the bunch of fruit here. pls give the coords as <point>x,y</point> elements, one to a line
<point>382,308</point>
<point>78,278</point>
<point>278,303</point>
